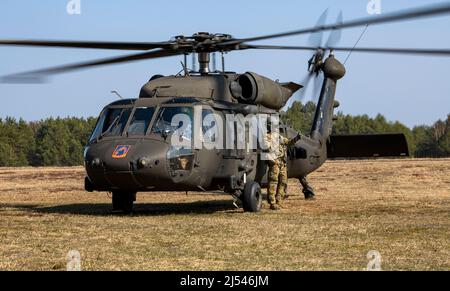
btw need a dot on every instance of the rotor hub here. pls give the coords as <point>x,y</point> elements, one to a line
<point>201,42</point>
<point>316,61</point>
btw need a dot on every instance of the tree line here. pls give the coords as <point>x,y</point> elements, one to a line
<point>60,141</point>
<point>423,141</point>
<point>50,142</point>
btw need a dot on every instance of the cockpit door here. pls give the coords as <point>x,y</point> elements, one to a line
<point>208,144</point>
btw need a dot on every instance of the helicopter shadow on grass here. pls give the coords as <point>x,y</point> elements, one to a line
<point>146,209</point>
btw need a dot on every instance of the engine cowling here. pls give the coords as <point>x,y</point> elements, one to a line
<point>251,88</point>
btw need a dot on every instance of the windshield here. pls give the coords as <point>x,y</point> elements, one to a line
<point>111,123</point>
<point>171,119</point>
<point>140,120</point>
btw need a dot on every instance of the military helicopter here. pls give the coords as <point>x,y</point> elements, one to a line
<point>132,146</point>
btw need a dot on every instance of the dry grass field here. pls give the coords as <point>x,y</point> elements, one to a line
<point>400,208</point>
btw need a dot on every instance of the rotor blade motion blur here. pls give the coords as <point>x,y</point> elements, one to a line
<point>204,43</point>
<point>336,34</point>
<point>428,11</point>
<point>315,39</point>
<point>73,67</point>
<point>88,44</point>
<point>409,51</point>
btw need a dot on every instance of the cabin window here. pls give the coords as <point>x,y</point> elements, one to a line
<point>140,120</point>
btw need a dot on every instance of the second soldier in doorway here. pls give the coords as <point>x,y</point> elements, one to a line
<point>277,175</point>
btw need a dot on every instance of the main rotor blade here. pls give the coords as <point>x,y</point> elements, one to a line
<point>38,74</point>
<point>88,44</point>
<point>424,52</point>
<point>433,10</point>
<point>413,51</point>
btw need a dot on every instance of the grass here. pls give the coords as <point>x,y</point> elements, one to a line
<point>400,208</point>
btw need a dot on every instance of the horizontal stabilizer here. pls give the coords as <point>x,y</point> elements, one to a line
<point>367,146</point>
<point>293,87</point>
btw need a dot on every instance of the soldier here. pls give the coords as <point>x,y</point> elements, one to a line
<point>277,175</point>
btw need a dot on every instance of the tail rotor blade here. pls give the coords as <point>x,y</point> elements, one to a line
<point>305,82</point>
<point>301,94</point>
<point>315,39</point>
<point>318,82</point>
<point>336,34</point>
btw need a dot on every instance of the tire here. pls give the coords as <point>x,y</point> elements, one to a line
<point>123,201</point>
<point>252,197</point>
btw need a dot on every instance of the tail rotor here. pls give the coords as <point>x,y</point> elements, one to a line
<point>316,61</point>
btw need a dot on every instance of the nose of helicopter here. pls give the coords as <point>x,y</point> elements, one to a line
<point>132,164</point>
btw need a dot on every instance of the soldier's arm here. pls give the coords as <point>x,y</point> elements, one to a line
<point>295,140</point>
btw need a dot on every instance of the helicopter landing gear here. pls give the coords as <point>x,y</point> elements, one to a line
<point>252,197</point>
<point>123,201</point>
<point>307,190</point>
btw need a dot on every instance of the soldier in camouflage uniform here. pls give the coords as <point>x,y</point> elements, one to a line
<point>277,175</point>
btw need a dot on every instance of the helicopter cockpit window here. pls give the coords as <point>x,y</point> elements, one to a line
<point>117,124</point>
<point>170,119</point>
<point>98,128</point>
<point>111,123</point>
<point>140,120</point>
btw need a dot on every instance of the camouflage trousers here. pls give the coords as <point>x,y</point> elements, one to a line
<point>277,177</point>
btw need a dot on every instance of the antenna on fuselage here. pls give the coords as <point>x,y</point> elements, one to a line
<point>117,93</point>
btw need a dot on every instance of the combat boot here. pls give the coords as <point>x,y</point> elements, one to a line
<point>280,203</point>
<point>275,207</point>
<point>282,206</point>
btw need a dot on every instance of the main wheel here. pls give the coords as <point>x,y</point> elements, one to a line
<point>252,197</point>
<point>123,201</point>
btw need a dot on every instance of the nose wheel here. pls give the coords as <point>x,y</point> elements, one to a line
<point>123,201</point>
<point>252,197</point>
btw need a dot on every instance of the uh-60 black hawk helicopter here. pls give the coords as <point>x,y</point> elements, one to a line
<point>131,148</point>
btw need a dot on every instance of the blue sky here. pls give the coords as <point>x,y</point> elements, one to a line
<point>414,90</point>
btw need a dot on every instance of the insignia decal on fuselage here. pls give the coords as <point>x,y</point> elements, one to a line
<point>121,151</point>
